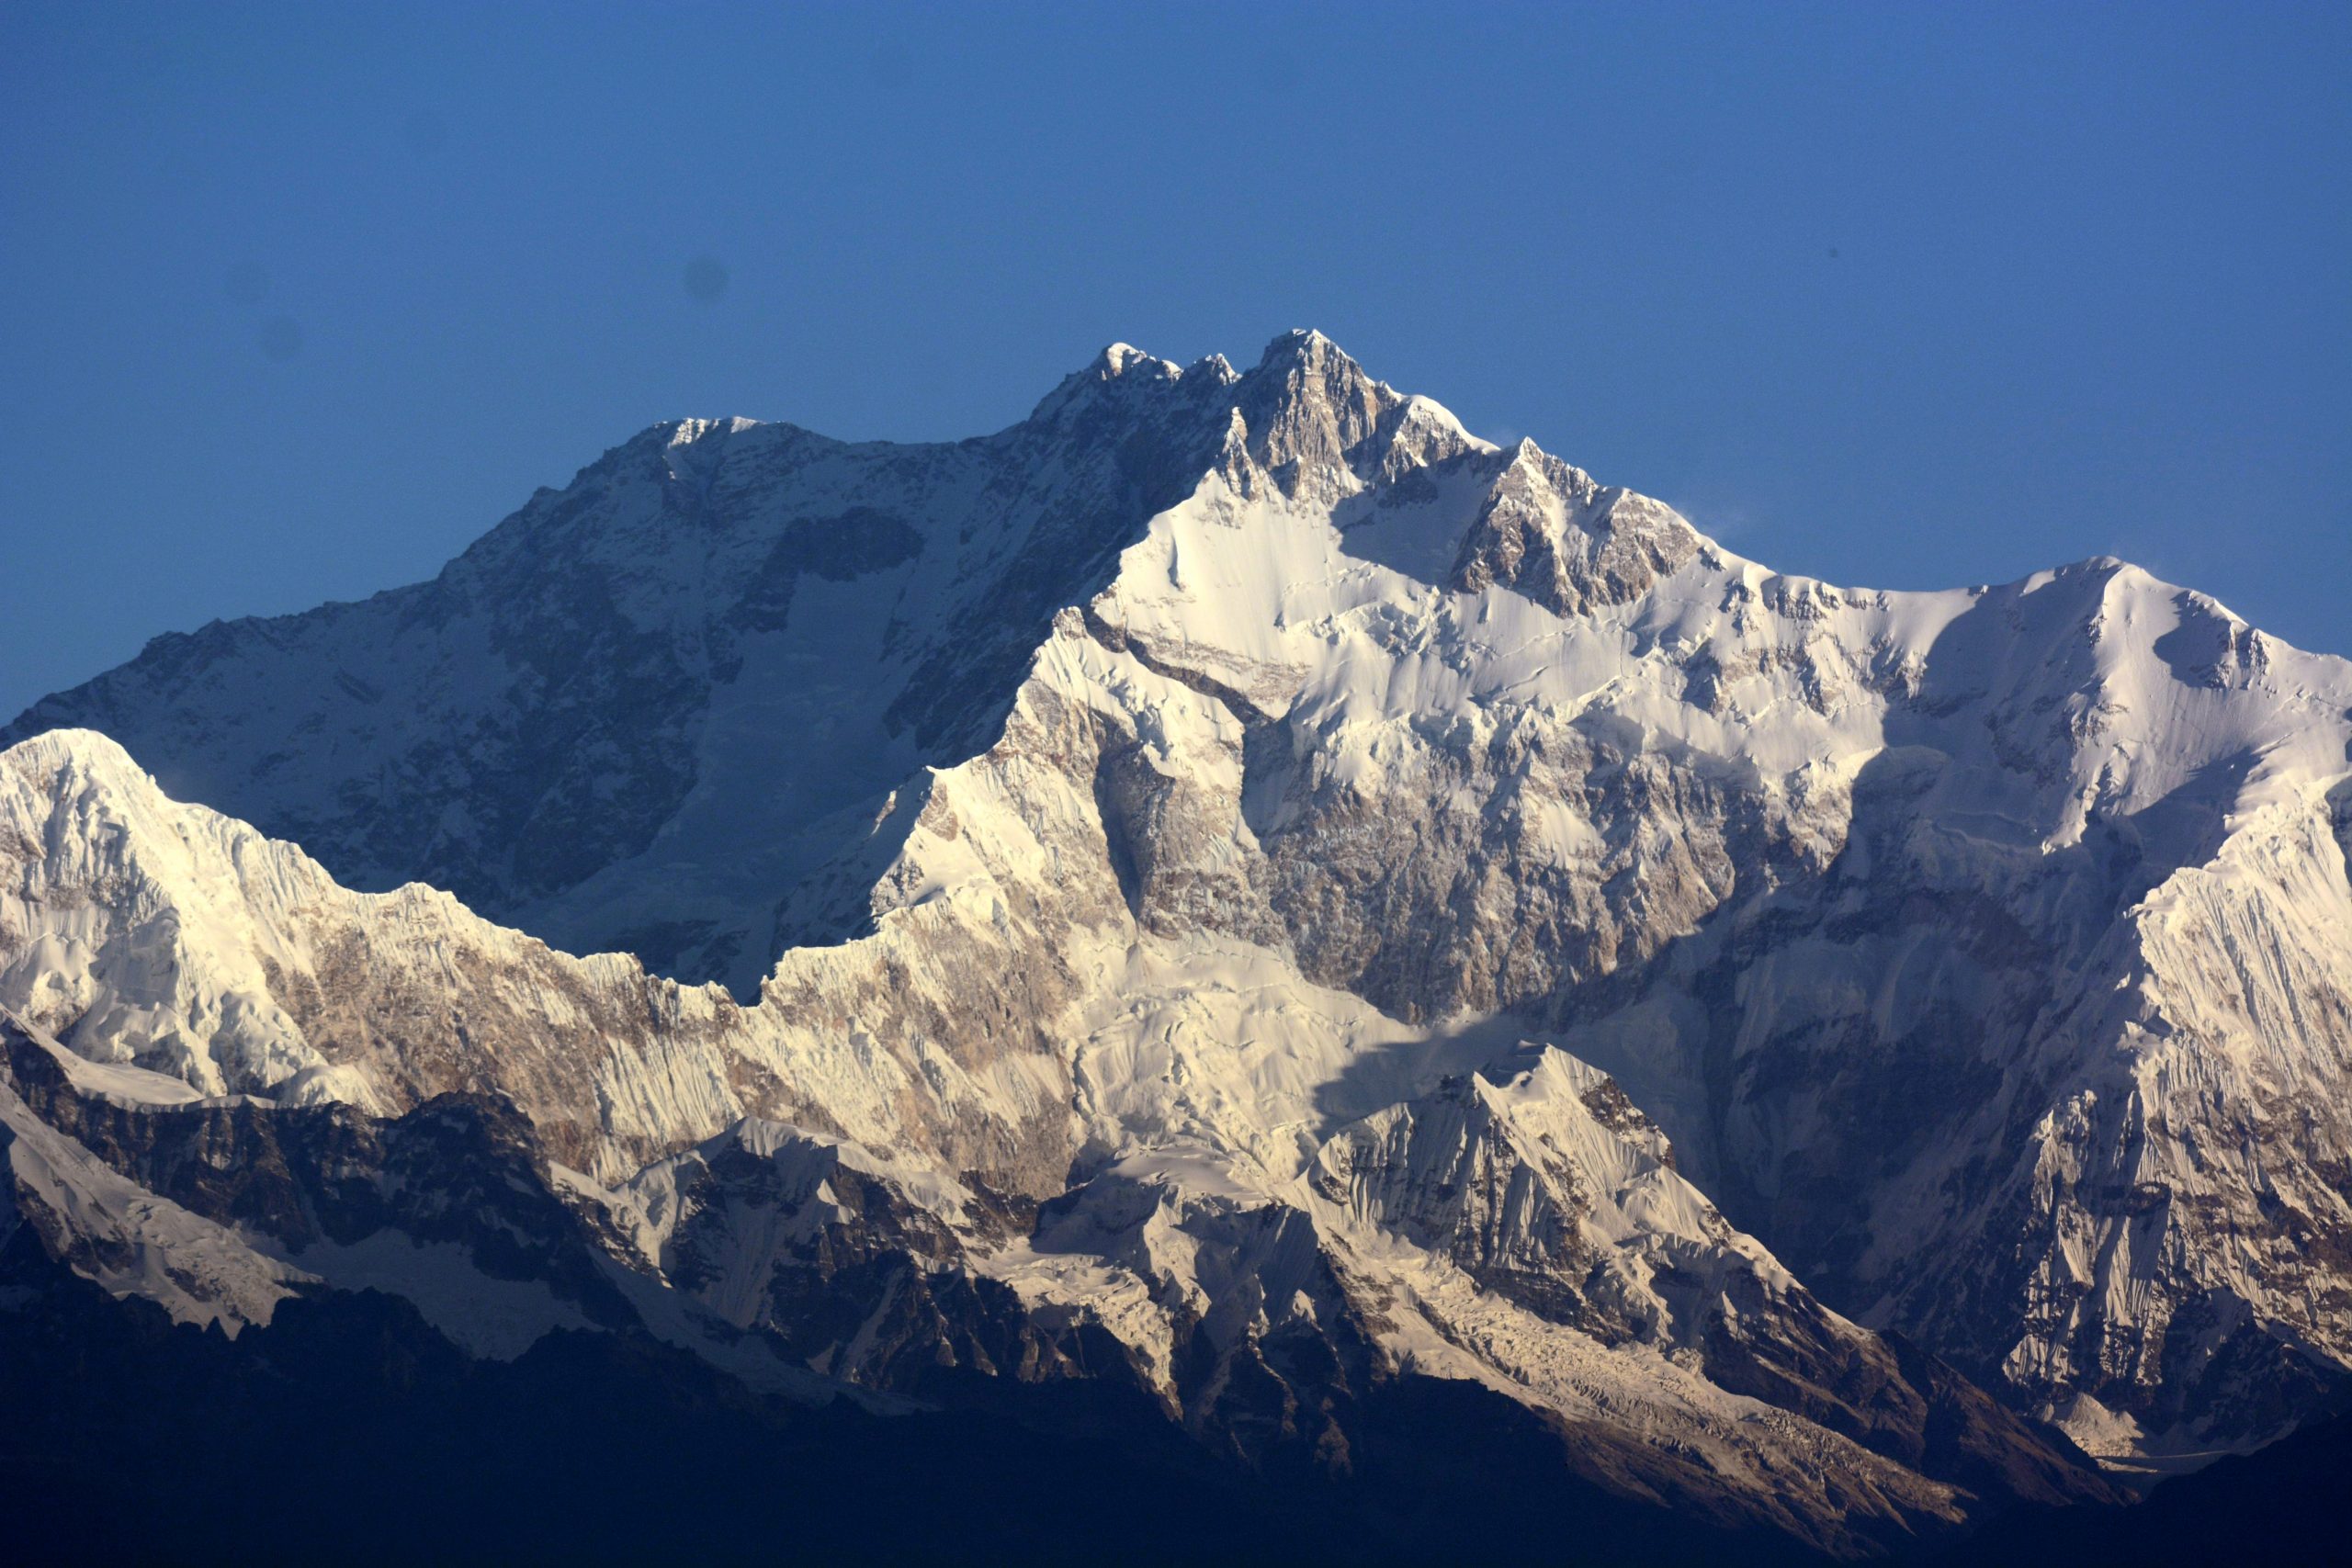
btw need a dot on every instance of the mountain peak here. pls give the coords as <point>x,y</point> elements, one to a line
<point>1304,355</point>
<point>1119,364</point>
<point>1301,345</point>
<point>89,752</point>
<point>686,432</point>
<point>1118,359</point>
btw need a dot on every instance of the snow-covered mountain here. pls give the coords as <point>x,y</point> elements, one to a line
<point>1239,887</point>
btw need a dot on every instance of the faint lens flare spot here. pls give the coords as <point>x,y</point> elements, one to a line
<point>281,337</point>
<point>247,283</point>
<point>706,278</point>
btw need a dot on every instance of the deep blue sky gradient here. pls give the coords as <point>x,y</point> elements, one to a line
<point>295,303</point>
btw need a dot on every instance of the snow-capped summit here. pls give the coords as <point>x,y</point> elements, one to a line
<point>1134,372</point>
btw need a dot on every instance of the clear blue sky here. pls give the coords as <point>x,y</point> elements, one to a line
<point>296,302</point>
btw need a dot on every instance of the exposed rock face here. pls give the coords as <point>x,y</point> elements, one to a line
<point>1314,900</point>
<point>1550,533</point>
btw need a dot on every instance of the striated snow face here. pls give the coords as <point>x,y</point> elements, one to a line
<point>1287,872</point>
